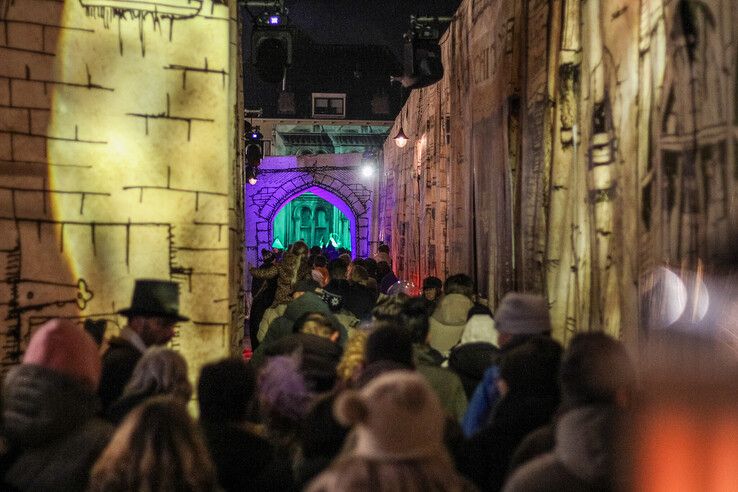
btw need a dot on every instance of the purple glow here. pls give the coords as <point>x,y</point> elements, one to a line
<point>254,135</point>
<point>333,200</point>
<point>274,20</point>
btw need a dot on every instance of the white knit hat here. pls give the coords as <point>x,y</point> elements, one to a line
<point>395,416</point>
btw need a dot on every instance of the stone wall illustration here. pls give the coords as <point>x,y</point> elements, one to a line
<point>119,160</point>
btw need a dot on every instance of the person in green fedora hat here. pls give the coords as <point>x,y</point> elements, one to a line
<point>152,315</point>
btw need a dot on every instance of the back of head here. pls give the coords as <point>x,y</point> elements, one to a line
<point>383,248</point>
<point>353,358</point>
<point>66,348</point>
<point>321,436</point>
<point>383,269</point>
<point>315,324</point>
<point>315,251</point>
<point>225,390</point>
<point>415,319</point>
<point>389,341</point>
<point>459,284</point>
<point>337,269</point>
<point>595,370</point>
<point>299,248</point>
<point>267,256</point>
<point>432,283</point>
<point>359,274</point>
<point>282,391</point>
<point>157,447</point>
<point>160,371</point>
<point>320,261</point>
<point>389,309</point>
<point>371,267</point>
<point>533,367</point>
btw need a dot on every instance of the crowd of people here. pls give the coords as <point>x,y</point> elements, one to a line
<point>352,385</point>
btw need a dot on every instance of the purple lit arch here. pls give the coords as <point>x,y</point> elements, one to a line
<point>336,178</point>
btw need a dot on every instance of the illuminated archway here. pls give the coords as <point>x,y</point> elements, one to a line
<point>336,178</point>
<point>329,197</point>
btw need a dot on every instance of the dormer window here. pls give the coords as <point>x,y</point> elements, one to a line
<point>327,105</point>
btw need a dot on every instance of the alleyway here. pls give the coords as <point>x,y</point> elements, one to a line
<point>418,245</point>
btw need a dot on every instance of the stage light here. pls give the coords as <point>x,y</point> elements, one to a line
<point>271,45</point>
<point>401,139</point>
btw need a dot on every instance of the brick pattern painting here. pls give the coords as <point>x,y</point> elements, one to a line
<point>118,160</point>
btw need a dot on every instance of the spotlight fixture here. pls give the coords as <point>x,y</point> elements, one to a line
<point>401,139</point>
<point>422,65</point>
<point>254,148</point>
<point>271,41</point>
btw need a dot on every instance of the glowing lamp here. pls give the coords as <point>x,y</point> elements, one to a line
<point>401,139</point>
<point>367,170</point>
<point>251,175</point>
<point>274,20</point>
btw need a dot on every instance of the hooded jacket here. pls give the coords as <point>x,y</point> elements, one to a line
<point>582,460</point>
<point>448,321</point>
<point>49,419</point>
<point>357,299</point>
<point>309,302</point>
<point>470,360</point>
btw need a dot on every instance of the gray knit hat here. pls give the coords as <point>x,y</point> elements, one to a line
<point>522,314</point>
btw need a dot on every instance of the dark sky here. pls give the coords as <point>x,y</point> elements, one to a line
<point>362,21</point>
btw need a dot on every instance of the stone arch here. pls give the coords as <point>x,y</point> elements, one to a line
<point>353,201</point>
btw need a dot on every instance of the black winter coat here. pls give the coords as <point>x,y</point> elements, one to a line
<point>487,455</point>
<point>245,461</point>
<point>50,421</point>
<point>117,367</point>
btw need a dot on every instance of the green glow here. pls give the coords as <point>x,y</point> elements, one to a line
<point>314,220</point>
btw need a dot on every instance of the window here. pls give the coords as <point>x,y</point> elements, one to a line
<point>329,105</point>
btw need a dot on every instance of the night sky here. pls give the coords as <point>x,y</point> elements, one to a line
<point>362,21</point>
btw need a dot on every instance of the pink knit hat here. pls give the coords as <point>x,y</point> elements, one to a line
<point>66,348</point>
<point>396,416</point>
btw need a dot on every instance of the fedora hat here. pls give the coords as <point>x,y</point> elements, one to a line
<point>155,298</point>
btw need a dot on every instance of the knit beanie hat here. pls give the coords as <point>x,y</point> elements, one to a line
<point>522,314</point>
<point>64,347</point>
<point>395,416</point>
<point>479,328</point>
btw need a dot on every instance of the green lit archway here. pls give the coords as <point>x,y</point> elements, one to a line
<point>313,219</point>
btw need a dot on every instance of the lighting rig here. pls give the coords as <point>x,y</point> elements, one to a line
<point>421,54</point>
<point>271,39</point>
